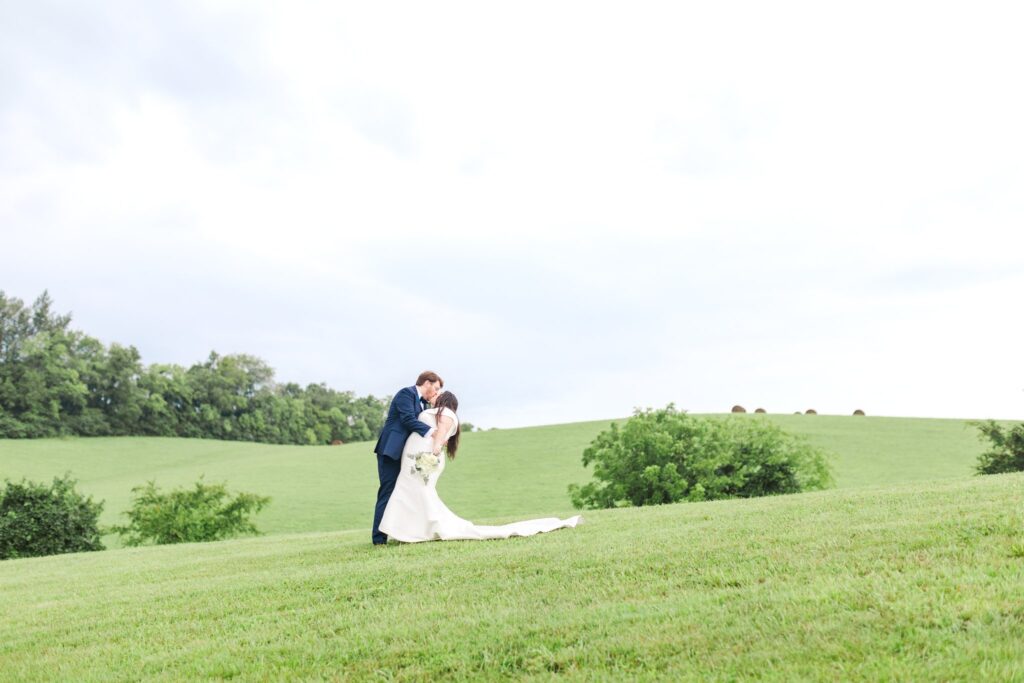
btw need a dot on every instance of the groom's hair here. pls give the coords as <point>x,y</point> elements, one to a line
<point>428,376</point>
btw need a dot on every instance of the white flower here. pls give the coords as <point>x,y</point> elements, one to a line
<point>424,464</point>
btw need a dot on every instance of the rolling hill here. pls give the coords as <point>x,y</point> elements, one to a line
<point>498,473</point>
<point>919,581</point>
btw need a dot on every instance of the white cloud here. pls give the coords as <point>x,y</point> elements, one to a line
<point>568,210</point>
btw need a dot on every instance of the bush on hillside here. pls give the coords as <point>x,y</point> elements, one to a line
<point>1007,452</point>
<point>36,519</point>
<point>667,456</point>
<point>205,513</point>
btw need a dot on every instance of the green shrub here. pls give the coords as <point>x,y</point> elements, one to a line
<point>205,513</point>
<point>1007,452</point>
<point>667,456</point>
<point>36,519</point>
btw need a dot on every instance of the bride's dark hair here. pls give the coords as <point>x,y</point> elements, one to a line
<point>446,399</point>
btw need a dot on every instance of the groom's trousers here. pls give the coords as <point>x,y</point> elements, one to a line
<point>387,471</point>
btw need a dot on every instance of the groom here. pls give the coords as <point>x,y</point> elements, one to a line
<point>405,407</point>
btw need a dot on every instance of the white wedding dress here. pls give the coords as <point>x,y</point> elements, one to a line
<point>415,511</point>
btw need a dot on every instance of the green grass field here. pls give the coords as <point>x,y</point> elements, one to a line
<point>910,569</point>
<point>501,472</point>
<point>914,582</point>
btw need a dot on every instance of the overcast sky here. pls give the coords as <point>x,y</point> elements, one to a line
<point>566,209</point>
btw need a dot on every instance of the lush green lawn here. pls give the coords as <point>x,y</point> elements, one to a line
<point>879,451</point>
<point>917,582</point>
<point>503,472</point>
<point>315,488</point>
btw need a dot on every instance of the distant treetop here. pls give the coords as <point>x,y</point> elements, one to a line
<point>56,381</point>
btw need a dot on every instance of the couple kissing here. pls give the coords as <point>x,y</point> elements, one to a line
<point>421,429</point>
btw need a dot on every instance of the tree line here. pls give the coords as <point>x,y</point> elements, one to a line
<point>57,381</point>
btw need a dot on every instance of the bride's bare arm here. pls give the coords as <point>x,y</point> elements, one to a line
<point>444,425</point>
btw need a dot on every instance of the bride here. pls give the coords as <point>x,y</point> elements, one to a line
<point>416,513</point>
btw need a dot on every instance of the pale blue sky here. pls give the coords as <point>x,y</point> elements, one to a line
<point>566,209</point>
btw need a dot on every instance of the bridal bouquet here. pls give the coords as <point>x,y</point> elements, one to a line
<point>424,464</point>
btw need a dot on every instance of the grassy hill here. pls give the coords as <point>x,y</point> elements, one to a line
<point>919,581</point>
<point>498,473</point>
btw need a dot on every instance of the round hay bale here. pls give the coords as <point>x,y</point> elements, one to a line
<point>739,409</point>
<point>337,442</point>
<point>858,412</point>
<point>810,411</point>
<point>761,410</point>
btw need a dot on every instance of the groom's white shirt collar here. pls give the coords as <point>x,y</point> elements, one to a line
<point>419,396</point>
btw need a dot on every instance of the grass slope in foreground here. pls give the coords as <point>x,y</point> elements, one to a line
<point>503,472</point>
<point>916,582</point>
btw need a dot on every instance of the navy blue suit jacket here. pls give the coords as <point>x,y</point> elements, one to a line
<point>401,422</point>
